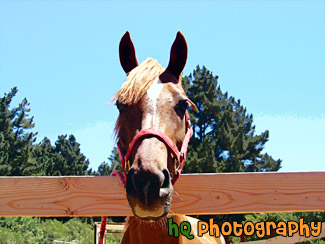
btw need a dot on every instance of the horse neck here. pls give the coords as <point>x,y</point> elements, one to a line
<point>142,232</point>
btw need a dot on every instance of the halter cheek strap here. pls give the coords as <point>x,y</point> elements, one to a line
<point>178,156</point>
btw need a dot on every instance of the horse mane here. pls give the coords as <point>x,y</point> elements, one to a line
<point>138,81</point>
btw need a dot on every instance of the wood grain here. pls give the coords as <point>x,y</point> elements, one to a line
<point>194,194</point>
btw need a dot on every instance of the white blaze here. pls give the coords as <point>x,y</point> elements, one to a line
<point>151,119</point>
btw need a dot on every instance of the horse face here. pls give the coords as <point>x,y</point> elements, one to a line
<point>162,107</point>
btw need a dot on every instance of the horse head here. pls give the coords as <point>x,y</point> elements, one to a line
<point>152,128</point>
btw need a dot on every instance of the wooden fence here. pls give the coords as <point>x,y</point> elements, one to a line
<point>194,194</point>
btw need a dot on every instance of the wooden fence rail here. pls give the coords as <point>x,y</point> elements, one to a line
<point>194,194</point>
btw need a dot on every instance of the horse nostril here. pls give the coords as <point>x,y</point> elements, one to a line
<point>166,182</point>
<point>130,186</point>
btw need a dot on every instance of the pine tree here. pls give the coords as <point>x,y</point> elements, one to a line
<point>69,159</point>
<point>16,139</point>
<point>223,139</point>
<point>114,163</point>
<point>45,156</point>
<point>64,158</point>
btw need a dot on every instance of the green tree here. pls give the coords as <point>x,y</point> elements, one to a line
<point>106,168</point>
<point>70,161</point>
<point>224,137</point>
<point>16,138</point>
<point>64,158</point>
<point>44,155</point>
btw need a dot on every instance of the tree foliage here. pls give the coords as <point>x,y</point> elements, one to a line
<point>19,155</point>
<point>106,168</point>
<point>16,138</point>
<point>224,137</point>
<point>64,158</point>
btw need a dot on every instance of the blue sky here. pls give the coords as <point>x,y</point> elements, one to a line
<point>63,56</point>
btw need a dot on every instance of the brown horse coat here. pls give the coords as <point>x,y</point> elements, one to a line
<point>142,232</point>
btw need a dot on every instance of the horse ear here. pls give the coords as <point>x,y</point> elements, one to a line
<point>128,59</point>
<point>178,55</point>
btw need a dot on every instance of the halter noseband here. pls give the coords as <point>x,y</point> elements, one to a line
<point>179,157</point>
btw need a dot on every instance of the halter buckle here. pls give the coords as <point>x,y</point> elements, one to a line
<point>127,165</point>
<point>177,165</point>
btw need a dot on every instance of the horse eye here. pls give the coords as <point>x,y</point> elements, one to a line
<point>182,105</point>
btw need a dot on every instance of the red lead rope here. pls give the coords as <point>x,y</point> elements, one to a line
<point>180,156</point>
<point>102,230</point>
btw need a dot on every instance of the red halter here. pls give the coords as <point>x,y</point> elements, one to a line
<point>179,156</point>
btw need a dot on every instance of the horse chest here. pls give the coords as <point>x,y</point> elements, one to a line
<point>147,233</point>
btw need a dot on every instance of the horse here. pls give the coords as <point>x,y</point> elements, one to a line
<point>152,132</point>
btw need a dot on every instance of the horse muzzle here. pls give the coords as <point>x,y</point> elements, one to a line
<point>149,193</point>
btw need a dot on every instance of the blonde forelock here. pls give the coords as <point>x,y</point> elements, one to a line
<point>138,82</point>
